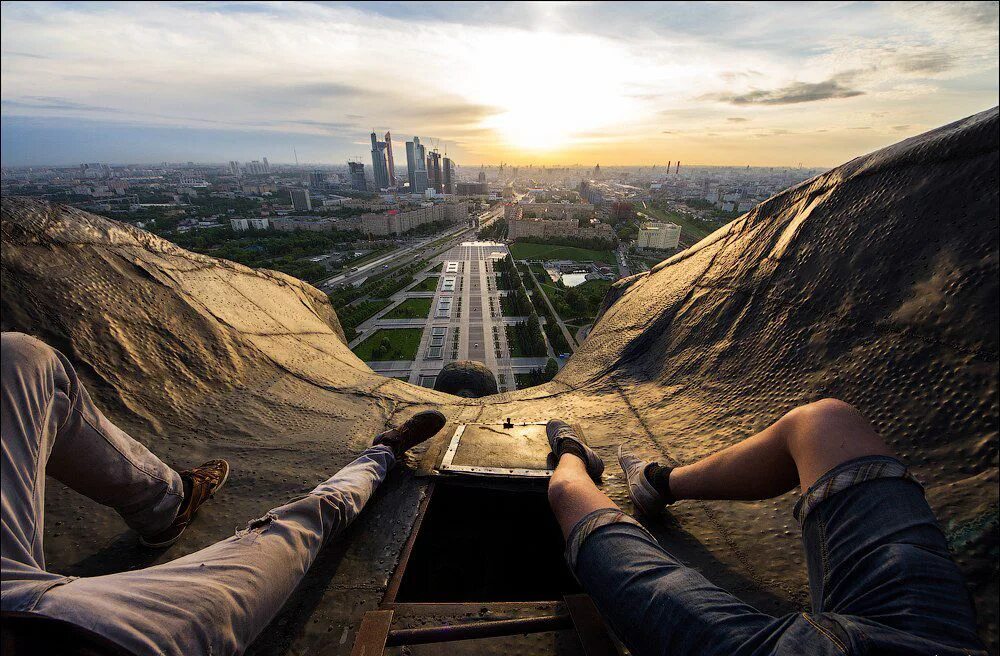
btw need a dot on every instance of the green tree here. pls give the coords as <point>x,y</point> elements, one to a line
<point>551,369</point>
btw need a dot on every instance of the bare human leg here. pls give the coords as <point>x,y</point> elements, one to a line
<point>797,449</point>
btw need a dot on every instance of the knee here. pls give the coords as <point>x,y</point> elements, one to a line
<point>824,411</point>
<point>25,355</point>
<point>826,422</point>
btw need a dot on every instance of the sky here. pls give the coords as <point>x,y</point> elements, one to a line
<point>625,83</point>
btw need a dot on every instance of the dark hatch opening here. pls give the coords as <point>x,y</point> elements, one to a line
<point>479,544</point>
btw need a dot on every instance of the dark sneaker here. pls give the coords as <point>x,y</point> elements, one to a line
<point>418,428</point>
<point>200,485</point>
<point>644,496</point>
<point>559,431</point>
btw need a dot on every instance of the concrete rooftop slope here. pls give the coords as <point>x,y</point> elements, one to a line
<point>875,283</point>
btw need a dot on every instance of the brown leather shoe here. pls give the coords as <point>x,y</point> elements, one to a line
<point>416,429</point>
<point>200,485</point>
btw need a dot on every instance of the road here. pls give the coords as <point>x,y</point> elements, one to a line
<point>399,257</point>
<point>623,270</point>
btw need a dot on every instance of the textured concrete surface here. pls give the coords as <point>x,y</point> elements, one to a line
<point>875,282</point>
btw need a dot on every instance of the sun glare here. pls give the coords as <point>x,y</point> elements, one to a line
<point>560,90</point>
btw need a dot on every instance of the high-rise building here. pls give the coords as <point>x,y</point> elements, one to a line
<point>317,180</point>
<point>380,170</point>
<point>448,177</point>
<point>301,202</point>
<point>257,167</point>
<point>434,170</point>
<point>357,170</point>
<point>416,170</point>
<point>267,166</point>
<point>234,168</point>
<point>392,164</point>
<point>482,175</point>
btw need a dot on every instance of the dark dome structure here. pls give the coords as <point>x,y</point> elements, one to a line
<point>466,378</point>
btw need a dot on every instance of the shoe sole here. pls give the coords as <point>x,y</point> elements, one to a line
<point>167,543</point>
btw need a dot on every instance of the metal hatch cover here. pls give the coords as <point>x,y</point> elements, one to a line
<point>509,450</point>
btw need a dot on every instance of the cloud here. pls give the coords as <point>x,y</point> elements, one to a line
<point>462,113</point>
<point>927,62</point>
<point>52,103</point>
<point>694,66</point>
<point>27,55</point>
<point>900,128</point>
<point>792,94</point>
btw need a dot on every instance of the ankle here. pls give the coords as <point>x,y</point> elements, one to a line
<point>658,476</point>
<point>573,448</point>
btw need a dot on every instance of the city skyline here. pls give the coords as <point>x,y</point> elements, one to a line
<point>548,84</point>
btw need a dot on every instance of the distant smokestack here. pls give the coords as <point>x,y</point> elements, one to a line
<point>669,162</point>
<point>678,169</point>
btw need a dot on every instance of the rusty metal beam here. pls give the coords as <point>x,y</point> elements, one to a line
<point>370,640</point>
<point>478,630</point>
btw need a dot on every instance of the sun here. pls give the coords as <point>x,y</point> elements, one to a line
<point>553,91</point>
<point>531,131</point>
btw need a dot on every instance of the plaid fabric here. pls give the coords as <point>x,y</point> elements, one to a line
<point>847,475</point>
<point>588,525</point>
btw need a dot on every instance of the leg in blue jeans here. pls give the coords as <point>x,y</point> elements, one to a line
<point>656,605</point>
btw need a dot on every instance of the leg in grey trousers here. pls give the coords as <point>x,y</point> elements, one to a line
<point>215,601</point>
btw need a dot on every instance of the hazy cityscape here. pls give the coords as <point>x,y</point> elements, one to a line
<point>536,247</point>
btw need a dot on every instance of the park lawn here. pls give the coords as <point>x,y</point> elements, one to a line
<point>353,316</point>
<point>403,344</point>
<point>411,308</point>
<point>428,284</point>
<point>529,251</point>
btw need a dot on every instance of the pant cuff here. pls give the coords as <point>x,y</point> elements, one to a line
<point>846,475</point>
<point>590,523</point>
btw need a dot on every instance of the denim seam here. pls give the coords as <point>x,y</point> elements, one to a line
<point>832,638</point>
<point>108,441</point>
<point>39,471</point>
<point>825,557</point>
<point>74,398</point>
<point>52,584</point>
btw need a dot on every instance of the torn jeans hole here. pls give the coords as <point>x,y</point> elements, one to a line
<point>257,526</point>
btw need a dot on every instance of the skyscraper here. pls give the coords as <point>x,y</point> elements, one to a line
<point>301,202</point>
<point>434,170</point>
<point>392,165</point>
<point>380,171</point>
<point>482,175</point>
<point>416,171</point>
<point>317,180</point>
<point>357,170</point>
<point>448,177</point>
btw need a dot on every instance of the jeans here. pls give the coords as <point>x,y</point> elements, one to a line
<point>214,601</point>
<point>880,574</point>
